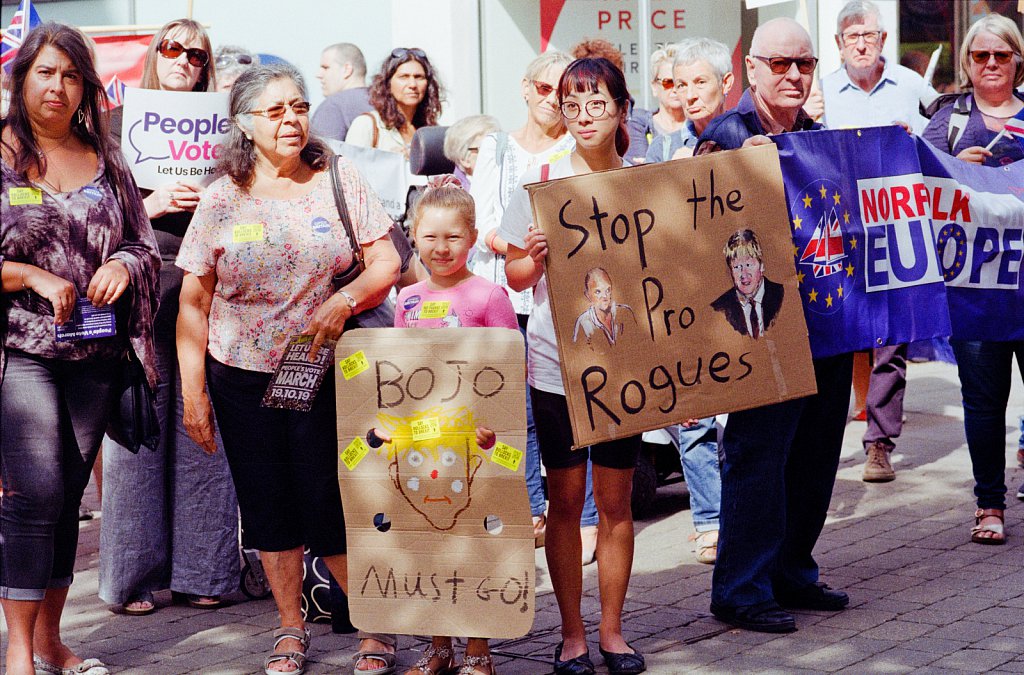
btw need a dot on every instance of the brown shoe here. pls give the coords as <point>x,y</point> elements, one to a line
<point>877,468</point>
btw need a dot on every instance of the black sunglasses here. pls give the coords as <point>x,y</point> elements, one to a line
<point>780,65</point>
<point>169,49</point>
<point>402,52</point>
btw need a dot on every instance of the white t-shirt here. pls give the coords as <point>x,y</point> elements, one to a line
<point>492,187</point>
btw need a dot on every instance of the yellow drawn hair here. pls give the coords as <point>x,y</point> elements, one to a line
<point>456,426</point>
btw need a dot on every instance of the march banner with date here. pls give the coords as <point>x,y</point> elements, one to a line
<point>173,135</point>
<point>650,292</point>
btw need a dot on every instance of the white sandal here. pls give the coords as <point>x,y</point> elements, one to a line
<point>298,658</point>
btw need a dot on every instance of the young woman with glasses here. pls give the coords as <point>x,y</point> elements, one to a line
<point>406,95</point>
<point>593,99</point>
<point>169,516</point>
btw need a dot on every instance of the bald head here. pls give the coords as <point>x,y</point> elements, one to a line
<point>783,44</point>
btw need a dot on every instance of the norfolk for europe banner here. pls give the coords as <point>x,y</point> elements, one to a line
<point>895,241</point>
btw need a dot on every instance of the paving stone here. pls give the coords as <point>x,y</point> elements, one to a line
<point>976,660</point>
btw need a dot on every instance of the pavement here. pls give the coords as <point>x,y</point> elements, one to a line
<point>923,598</point>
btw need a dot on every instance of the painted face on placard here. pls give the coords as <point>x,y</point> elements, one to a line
<point>437,482</point>
<point>747,273</point>
<point>599,292</point>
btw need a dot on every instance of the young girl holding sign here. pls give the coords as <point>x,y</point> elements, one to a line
<point>594,101</point>
<point>444,226</point>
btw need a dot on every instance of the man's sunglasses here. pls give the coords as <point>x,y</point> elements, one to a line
<point>981,58</point>
<point>668,84</point>
<point>169,49</point>
<point>276,112</point>
<point>229,59</point>
<point>780,65</point>
<point>543,89</point>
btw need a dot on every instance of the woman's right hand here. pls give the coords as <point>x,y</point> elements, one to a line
<point>59,292</point>
<point>176,197</point>
<point>974,154</point>
<point>198,421</point>
<point>536,245</point>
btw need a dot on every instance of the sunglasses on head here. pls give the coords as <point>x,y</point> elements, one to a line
<point>229,59</point>
<point>169,49</point>
<point>981,58</point>
<point>543,89</point>
<point>402,52</point>
<point>667,83</point>
<point>780,65</point>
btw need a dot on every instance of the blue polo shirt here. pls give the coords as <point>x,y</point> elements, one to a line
<point>894,97</point>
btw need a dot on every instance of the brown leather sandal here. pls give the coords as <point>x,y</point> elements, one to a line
<point>991,534</point>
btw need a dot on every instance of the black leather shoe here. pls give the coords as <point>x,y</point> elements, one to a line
<point>764,617</point>
<point>814,596</point>
<point>580,665</point>
<point>624,663</point>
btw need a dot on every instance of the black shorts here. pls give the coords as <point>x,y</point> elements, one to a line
<point>554,435</point>
<point>284,463</point>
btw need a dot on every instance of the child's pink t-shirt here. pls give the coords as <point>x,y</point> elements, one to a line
<point>474,303</point>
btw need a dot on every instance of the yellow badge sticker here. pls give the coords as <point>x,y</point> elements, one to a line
<point>426,429</point>
<point>243,234</point>
<point>354,453</point>
<point>557,156</point>
<point>25,195</point>
<point>435,309</point>
<point>353,365</point>
<point>506,456</point>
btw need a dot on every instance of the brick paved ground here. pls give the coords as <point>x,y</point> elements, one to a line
<point>923,598</point>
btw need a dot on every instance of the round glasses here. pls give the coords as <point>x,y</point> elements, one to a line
<point>870,37</point>
<point>595,108</point>
<point>170,49</point>
<point>276,112</point>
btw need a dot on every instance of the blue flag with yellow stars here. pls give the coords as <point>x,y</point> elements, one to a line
<point>863,242</point>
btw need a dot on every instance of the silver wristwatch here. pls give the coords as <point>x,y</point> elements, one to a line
<point>349,299</point>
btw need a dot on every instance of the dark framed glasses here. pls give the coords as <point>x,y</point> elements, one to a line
<point>667,83</point>
<point>543,89</point>
<point>871,37</point>
<point>225,60</point>
<point>780,65</point>
<point>595,108</point>
<point>169,49</point>
<point>276,112</point>
<point>981,58</point>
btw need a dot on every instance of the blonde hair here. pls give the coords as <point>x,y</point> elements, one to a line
<point>1004,29</point>
<point>445,197</point>
<point>193,30</point>
<point>666,53</point>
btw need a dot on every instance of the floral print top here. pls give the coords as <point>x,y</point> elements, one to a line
<point>273,260</point>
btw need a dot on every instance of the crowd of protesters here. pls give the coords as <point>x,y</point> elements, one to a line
<point>207,322</point>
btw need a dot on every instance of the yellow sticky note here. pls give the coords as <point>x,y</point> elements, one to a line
<point>354,453</point>
<point>24,195</point>
<point>243,234</point>
<point>506,456</point>
<point>554,157</point>
<point>353,365</point>
<point>435,309</point>
<point>426,429</point>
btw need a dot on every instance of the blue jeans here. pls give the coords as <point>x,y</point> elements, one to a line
<point>52,416</point>
<point>985,369</point>
<point>777,477</point>
<point>534,481</point>
<point>698,453</point>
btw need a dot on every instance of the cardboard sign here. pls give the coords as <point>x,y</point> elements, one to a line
<point>440,539</point>
<point>648,308</point>
<point>173,135</point>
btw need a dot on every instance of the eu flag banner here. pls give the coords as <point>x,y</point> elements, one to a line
<point>979,229</point>
<point>863,243</point>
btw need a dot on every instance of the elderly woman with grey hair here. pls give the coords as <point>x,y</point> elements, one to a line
<point>246,291</point>
<point>702,76</point>
<point>462,143</point>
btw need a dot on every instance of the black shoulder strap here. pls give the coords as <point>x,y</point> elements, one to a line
<point>346,220</point>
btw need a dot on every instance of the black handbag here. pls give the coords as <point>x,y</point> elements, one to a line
<point>383,315</point>
<point>134,422</point>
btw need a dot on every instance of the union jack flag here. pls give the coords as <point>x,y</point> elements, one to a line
<point>16,33</point>
<point>115,91</point>
<point>1015,127</point>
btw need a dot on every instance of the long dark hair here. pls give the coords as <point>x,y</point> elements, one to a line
<point>193,29</point>
<point>89,122</point>
<point>583,76</point>
<point>428,110</point>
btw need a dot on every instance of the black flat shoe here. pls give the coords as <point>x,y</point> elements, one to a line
<point>764,617</point>
<point>624,664</point>
<point>580,665</point>
<point>814,596</point>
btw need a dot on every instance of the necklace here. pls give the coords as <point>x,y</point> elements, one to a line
<point>63,142</point>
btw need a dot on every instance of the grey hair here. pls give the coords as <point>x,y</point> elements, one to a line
<point>239,152</point>
<point>1003,28</point>
<point>464,133</point>
<point>226,72</point>
<point>545,61</point>
<point>346,52</point>
<point>666,53</point>
<point>716,54</point>
<point>858,9</point>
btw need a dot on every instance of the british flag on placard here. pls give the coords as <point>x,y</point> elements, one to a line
<point>16,32</point>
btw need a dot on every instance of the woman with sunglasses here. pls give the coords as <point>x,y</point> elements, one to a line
<point>405,95</point>
<point>73,238</point>
<point>594,100</point>
<point>667,118</point>
<point>991,67</point>
<point>247,291</point>
<point>230,61</point>
<point>169,516</point>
